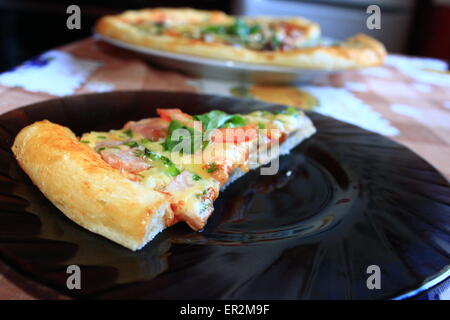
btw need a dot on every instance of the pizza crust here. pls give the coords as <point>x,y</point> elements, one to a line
<point>86,189</point>
<point>355,52</point>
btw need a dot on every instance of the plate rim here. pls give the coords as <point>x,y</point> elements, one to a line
<point>211,62</point>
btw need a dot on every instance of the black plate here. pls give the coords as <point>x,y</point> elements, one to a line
<point>353,199</point>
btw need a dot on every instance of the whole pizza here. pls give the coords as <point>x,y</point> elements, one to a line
<point>292,41</point>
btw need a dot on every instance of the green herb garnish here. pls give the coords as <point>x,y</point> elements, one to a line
<point>218,119</point>
<point>131,144</point>
<point>212,167</point>
<point>170,168</point>
<point>128,133</point>
<point>237,32</point>
<point>290,111</point>
<point>215,29</point>
<point>171,141</point>
<point>275,42</point>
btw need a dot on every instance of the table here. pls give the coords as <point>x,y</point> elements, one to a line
<point>407,100</point>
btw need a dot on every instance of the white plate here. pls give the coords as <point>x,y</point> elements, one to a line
<point>222,69</point>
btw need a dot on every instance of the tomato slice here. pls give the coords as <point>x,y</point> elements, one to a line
<point>235,135</point>
<point>274,135</point>
<point>220,172</point>
<point>153,128</point>
<point>292,28</point>
<point>172,33</point>
<point>173,114</point>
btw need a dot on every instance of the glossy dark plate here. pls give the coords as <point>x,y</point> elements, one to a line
<point>342,201</point>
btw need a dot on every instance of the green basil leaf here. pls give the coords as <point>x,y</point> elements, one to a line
<point>170,142</point>
<point>290,111</point>
<point>128,133</point>
<point>131,144</point>
<point>212,167</point>
<point>170,168</point>
<point>218,119</point>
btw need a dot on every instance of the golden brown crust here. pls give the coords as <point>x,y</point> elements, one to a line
<point>356,52</point>
<point>86,189</point>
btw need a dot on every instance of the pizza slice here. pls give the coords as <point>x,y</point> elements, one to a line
<point>129,184</point>
<point>290,41</point>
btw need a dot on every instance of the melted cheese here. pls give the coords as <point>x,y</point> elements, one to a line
<point>283,122</point>
<point>196,198</point>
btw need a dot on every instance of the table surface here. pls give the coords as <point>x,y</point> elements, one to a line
<point>406,99</point>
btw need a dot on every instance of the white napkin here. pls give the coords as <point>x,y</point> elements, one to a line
<point>338,103</point>
<point>421,69</point>
<point>341,104</point>
<point>55,72</point>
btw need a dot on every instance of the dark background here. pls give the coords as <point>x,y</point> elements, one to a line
<point>28,28</point>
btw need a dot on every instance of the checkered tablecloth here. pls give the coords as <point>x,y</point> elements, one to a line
<point>407,100</point>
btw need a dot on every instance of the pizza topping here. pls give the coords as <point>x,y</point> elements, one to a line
<point>220,172</point>
<point>188,134</point>
<point>207,194</point>
<point>128,133</point>
<point>145,152</point>
<point>235,135</point>
<point>206,199</point>
<point>182,138</point>
<point>152,129</point>
<point>183,181</point>
<point>101,145</point>
<point>124,160</point>
<point>224,140</point>
<point>261,35</point>
<point>193,199</point>
<point>275,123</point>
<point>238,34</point>
<point>174,114</point>
<point>291,111</point>
<point>155,28</point>
<point>212,167</point>
<point>158,160</point>
<point>218,119</point>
